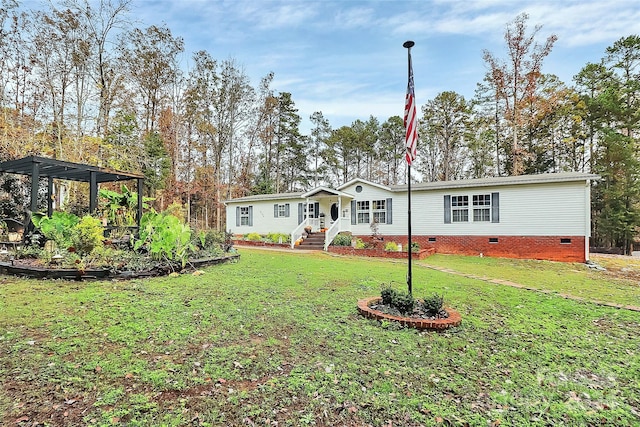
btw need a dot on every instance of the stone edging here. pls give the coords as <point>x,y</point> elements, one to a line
<point>453,320</point>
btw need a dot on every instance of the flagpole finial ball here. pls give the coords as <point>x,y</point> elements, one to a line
<point>408,44</point>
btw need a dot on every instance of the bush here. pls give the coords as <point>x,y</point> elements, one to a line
<point>391,247</point>
<point>360,244</point>
<point>342,240</point>
<point>404,302</point>
<point>87,235</point>
<point>276,237</point>
<point>433,304</point>
<point>401,301</point>
<point>388,295</point>
<point>254,237</point>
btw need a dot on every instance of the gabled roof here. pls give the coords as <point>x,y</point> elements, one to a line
<point>325,191</point>
<point>363,181</point>
<point>65,170</point>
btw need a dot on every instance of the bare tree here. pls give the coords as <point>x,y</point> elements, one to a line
<point>516,79</point>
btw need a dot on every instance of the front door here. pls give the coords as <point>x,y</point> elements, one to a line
<point>334,212</point>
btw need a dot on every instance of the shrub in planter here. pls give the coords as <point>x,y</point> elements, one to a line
<point>254,237</point>
<point>433,304</point>
<point>391,247</point>
<point>403,302</point>
<point>388,295</point>
<point>279,238</point>
<point>342,240</point>
<point>360,244</point>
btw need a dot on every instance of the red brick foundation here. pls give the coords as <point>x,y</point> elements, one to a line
<point>553,248</point>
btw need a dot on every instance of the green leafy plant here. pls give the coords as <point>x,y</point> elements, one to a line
<point>121,208</point>
<point>87,235</point>
<point>59,227</point>
<point>279,238</point>
<point>391,247</point>
<point>165,237</point>
<point>360,244</point>
<point>254,237</point>
<point>342,240</point>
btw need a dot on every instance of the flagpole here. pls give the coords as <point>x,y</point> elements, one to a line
<point>408,45</point>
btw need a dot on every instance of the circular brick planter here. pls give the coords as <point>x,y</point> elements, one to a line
<point>452,321</point>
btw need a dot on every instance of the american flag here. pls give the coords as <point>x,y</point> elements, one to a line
<point>410,119</point>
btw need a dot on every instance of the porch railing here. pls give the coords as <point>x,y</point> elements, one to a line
<point>342,224</point>
<point>297,232</point>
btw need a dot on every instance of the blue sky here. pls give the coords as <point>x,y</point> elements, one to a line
<point>345,58</point>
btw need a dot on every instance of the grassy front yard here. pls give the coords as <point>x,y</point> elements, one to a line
<point>275,340</point>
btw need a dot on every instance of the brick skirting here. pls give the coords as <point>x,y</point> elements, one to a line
<point>553,248</point>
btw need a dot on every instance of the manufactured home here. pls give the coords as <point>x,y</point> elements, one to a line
<point>545,216</point>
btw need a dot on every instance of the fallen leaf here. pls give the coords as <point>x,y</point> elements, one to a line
<point>22,419</point>
<point>98,369</point>
<point>128,375</point>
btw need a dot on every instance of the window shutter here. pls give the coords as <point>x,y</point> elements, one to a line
<point>275,210</point>
<point>495,207</point>
<point>286,210</point>
<point>300,212</point>
<point>353,212</point>
<point>250,216</point>
<point>389,217</point>
<point>316,210</point>
<point>237,216</point>
<point>447,209</point>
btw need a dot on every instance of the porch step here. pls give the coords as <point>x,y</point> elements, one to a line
<point>314,241</point>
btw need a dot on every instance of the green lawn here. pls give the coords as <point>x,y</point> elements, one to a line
<point>275,339</point>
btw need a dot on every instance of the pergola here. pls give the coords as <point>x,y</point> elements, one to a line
<point>43,167</point>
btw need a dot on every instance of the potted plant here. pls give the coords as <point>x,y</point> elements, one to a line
<point>307,229</point>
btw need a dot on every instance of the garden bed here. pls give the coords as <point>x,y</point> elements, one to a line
<point>380,253</point>
<point>241,242</point>
<point>454,319</point>
<point>17,268</point>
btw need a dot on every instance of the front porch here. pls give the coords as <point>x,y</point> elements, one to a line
<point>323,215</point>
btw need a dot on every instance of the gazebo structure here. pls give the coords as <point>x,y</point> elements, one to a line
<point>43,167</point>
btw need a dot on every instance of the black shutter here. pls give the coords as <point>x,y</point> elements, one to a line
<point>495,207</point>
<point>275,210</point>
<point>237,216</point>
<point>389,216</point>
<point>300,213</point>
<point>250,216</point>
<point>286,210</point>
<point>353,212</point>
<point>447,209</point>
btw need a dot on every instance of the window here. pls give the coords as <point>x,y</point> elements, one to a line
<point>481,207</point>
<point>244,215</point>
<point>460,208</point>
<point>358,188</point>
<point>362,210</point>
<point>281,210</point>
<point>380,211</point>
